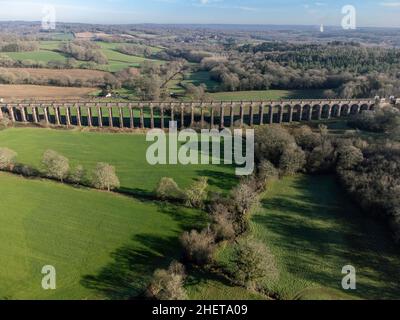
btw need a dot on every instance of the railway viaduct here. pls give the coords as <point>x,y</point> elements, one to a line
<point>149,115</point>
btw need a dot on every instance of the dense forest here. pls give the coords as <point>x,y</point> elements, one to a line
<point>343,69</point>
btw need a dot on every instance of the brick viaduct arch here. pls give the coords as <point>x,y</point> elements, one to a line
<point>148,115</point>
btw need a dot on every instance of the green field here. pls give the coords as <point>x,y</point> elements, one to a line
<point>41,55</point>
<point>117,61</point>
<point>314,230</point>
<point>266,95</point>
<point>103,246</point>
<point>127,152</point>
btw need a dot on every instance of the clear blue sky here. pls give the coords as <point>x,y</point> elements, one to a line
<point>369,12</point>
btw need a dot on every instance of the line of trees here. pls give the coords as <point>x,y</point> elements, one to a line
<point>251,264</point>
<point>84,51</point>
<point>19,46</point>
<point>63,80</point>
<point>56,166</point>
<point>135,50</point>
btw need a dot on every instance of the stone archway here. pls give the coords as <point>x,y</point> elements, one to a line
<point>335,112</point>
<point>326,111</point>
<point>364,107</point>
<point>354,109</point>
<point>344,110</point>
<point>297,112</point>
<point>287,113</point>
<point>307,112</point>
<point>316,112</point>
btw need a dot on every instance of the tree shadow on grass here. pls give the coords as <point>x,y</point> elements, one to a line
<point>318,231</point>
<point>134,264</point>
<point>222,180</point>
<point>186,218</point>
<point>130,272</point>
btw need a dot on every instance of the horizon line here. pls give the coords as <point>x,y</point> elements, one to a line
<point>202,24</point>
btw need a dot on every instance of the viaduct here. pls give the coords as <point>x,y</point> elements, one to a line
<point>149,115</point>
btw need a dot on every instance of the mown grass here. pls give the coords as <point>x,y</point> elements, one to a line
<point>103,246</point>
<point>314,230</point>
<point>127,152</point>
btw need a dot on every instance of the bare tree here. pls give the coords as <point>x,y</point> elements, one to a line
<point>56,165</point>
<point>253,262</point>
<point>196,194</point>
<point>199,246</point>
<point>7,159</point>
<point>104,177</point>
<point>167,189</point>
<point>168,284</point>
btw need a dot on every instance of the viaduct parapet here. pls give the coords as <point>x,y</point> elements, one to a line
<point>149,115</point>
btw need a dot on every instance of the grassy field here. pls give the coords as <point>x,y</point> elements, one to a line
<point>314,231</point>
<point>103,246</point>
<point>40,55</point>
<point>202,285</point>
<point>48,51</point>
<point>127,152</point>
<point>118,61</point>
<point>266,95</point>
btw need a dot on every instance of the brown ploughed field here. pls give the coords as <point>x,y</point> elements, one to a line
<point>42,92</point>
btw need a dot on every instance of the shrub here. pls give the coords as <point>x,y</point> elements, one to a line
<point>7,159</point>
<point>198,246</point>
<point>266,171</point>
<point>196,194</point>
<point>26,170</point>
<point>4,122</point>
<point>381,120</point>
<point>244,198</point>
<point>292,160</point>
<point>168,284</point>
<point>167,189</point>
<point>270,142</point>
<point>349,157</point>
<point>321,159</point>
<point>104,177</point>
<point>306,138</point>
<point>252,262</point>
<point>223,227</point>
<point>77,175</point>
